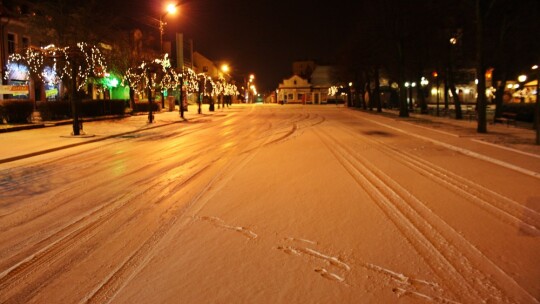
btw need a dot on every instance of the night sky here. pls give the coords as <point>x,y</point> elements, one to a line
<point>263,37</point>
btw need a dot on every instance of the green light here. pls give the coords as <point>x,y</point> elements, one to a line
<point>111,81</point>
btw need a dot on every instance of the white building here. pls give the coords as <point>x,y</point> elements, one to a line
<point>309,91</point>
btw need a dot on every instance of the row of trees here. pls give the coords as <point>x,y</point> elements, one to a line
<point>409,39</point>
<point>108,47</point>
<point>159,74</point>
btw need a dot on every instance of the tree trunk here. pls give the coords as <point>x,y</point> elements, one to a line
<point>75,100</point>
<point>537,107</point>
<point>480,73</point>
<point>446,90</point>
<point>499,98</point>
<point>368,90</point>
<point>131,98</point>
<point>403,111</point>
<point>421,96</point>
<point>457,100</point>
<point>377,91</point>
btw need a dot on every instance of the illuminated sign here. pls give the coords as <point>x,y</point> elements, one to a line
<point>50,93</point>
<point>14,89</point>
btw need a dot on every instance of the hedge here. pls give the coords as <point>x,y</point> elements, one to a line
<point>54,110</point>
<point>144,107</point>
<point>524,111</point>
<point>16,110</point>
<point>101,107</point>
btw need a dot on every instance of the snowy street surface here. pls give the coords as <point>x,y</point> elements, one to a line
<point>274,204</point>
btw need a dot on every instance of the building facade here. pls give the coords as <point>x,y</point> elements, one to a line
<point>312,90</point>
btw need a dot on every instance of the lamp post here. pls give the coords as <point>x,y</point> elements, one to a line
<point>171,9</point>
<point>411,105</point>
<point>250,87</point>
<point>537,105</point>
<point>436,76</point>
<point>522,79</point>
<point>408,92</point>
<point>225,69</point>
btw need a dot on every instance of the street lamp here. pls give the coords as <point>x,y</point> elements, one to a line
<point>225,69</point>
<point>522,79</point>
<point>408,85</point>
<point>436,75</point>
<point>537,105</point>
<point>411,105</point>
<point>249,86</point>
<point>170,9</point>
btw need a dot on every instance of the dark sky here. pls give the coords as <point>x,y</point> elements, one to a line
<point>263,37</point>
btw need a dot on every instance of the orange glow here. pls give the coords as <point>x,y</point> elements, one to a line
<point>489,73</point>
<point>171,8</point>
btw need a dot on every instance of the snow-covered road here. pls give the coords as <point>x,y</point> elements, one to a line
<point>273,204</point>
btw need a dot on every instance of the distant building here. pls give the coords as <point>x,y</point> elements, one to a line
<point>309,90</point>
<point>294,90</point>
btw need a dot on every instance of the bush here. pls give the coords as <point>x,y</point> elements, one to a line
<point>54,110</point>
<point>144,107</point>
<point>17,110</point>
<point>524,111</point>
<point>101,107</point>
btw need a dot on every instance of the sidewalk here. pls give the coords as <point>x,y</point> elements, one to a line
<point>22,141</point>
<point>521,137</point>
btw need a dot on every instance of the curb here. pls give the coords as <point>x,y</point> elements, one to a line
<point>45,151</point>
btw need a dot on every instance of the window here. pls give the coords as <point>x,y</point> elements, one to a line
<point>290,96</point>
<point>25,42</point>
<point>11,43</point>
<point>300,96</point>
<point>295,82</point>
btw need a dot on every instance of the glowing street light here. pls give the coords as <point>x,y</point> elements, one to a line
<point>537,104</point>
<point>522,78</point>
<point>225,68</point>
<point>170,9</point>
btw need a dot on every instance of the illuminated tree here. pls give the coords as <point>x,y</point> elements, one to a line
<point>72,64</point>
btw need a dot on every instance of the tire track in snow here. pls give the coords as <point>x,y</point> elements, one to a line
<point>502,208</point>
<point>463,151</point>
<point>60,244</point>
<point>452,258</point>
<point>57,246</point>
<point>119,278</point>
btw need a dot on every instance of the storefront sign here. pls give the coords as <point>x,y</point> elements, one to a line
<point>51,92</point>
<point>14,89</point>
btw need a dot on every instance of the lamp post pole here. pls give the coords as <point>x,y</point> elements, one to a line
<point>161,30</point>
<point>438,94</point>
<point>537,105</point>
<point>171,9</point>
<point>408,94</point>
